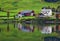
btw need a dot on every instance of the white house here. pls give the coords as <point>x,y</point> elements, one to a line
<point>46,12</point>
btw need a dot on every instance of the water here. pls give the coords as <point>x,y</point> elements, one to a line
<point>30,27</point>
<point>43,28</point>
<point>17,28</point>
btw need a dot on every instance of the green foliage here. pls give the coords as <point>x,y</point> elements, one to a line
<point>20,5</point>
<point>24,4</point>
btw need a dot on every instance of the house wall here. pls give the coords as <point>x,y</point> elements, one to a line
<point>46,12</point>
<point>50,13</point>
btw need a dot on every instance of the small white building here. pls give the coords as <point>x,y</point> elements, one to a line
<point>46,12</point>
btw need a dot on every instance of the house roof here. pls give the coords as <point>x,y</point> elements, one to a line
<point>45,10</point>
<point>26,11</point>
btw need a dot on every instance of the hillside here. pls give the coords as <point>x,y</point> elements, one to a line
<point>19,5</point>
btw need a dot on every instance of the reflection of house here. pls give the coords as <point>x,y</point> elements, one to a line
<point>26,28</point>
<point>57,28</point>
<point>26,13</point>
<point>47,30</point>
<point>58,15</point>
<point>46,13</point>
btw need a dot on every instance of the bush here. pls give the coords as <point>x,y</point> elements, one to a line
<point>58,8</point>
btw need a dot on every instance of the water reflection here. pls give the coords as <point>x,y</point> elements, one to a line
<point>57,28</point>
<point>44,28</point>
<point>40,28</point>
<point>8,27</point>
<point>0,30</point>
<point>47,30</point>
<point>26,27</point>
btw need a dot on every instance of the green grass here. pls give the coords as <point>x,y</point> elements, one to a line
<point>16,6</point>
<point>28,17</point>
<point>20,5</point>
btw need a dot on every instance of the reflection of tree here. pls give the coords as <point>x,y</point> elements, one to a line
<point>0,29</point>
<point>8,27</point>
<point>0,9</point>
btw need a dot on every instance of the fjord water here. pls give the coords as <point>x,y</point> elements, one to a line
<point>24,31</point>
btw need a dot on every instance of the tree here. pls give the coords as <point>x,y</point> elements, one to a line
<point>58,8</point>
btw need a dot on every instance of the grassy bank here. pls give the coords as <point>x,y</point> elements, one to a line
<point>20,5</point>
